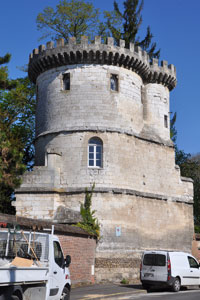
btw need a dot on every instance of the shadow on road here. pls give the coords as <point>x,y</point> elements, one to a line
<point>132,286</point>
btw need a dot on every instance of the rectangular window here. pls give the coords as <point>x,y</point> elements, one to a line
<point>154,260</point>
<point>114,82</point>
<point>66,81</point>
<point>95,153</point>
<point>165,121</point>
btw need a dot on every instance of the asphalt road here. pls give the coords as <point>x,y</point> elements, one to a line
<point>122,292</point>
<point>182,295</point>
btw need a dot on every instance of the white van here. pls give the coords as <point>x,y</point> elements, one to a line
<point>167,268</point>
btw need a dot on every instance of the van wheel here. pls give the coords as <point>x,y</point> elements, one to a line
<point>65,294</point>
<point>14,297</point>
<point>176,285</point>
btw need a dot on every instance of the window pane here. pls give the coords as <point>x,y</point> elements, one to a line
<point>98,163</point>
<point>154,260</point>
<point>91,149</point>
<point>98,149</point>
<point>91,155</point>
<point>58,255</point>
<point>98,156</point>
<point>95,141</point>
<point>91,162</point>
<point>193,263</point>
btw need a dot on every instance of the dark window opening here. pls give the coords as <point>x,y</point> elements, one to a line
<point>66,82</point>
<point>114,82</point>
<point>166,121</point>
<point>154,260</point>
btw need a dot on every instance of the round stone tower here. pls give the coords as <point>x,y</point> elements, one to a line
<point>102,117</point>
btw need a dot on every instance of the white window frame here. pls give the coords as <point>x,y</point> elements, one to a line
<point>95,159</point>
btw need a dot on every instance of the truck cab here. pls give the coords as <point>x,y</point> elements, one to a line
<point>59,275</point>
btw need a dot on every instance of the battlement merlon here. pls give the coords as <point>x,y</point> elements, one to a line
<point>134,58</point>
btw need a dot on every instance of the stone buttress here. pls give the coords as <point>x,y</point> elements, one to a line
<point>103,117</point>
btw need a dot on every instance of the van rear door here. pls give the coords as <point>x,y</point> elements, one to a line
<point>154,266</point>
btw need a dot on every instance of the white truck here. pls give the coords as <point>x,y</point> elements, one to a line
<point>32,266</point>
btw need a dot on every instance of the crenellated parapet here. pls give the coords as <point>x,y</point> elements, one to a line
<point>132,58</point>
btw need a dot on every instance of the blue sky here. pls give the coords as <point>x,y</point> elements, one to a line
<point>175,25</point>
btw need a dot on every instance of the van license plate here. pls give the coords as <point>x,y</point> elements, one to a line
<point>148,275</point>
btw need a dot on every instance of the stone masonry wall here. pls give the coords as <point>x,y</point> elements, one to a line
<point>128,163</point>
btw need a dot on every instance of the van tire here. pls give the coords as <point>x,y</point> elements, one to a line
<point>176,285</point>
<point>65,294</point>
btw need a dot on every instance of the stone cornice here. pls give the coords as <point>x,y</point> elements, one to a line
<point>131,192</point>
<point>98,129</point>
<point>134,58</point>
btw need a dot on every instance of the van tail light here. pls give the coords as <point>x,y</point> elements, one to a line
<point>168,269</point>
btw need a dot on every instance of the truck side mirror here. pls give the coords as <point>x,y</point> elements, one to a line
<point>67,261</point>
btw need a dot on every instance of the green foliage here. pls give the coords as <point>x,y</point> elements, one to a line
<point>70,18</point>
<point>125,25</point>
<point>17,109</point>
<point>197,228</point>
<point>173,131</point>
<point>124,281</point>
<point>189,167</point>
<point>89,222</point>
<point>77,18</point>
<point>5,83</point>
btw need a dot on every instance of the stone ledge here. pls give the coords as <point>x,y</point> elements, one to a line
<point>98,129</point>
<point>187,179</point>
<point>80,190</point>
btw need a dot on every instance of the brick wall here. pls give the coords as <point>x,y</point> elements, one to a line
<point>196,246</point>
<point>82,251</point>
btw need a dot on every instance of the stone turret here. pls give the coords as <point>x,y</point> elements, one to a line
<point>134,58</point>
<point>103,116</point>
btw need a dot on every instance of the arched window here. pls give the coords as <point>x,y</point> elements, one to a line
<point>95,153</point>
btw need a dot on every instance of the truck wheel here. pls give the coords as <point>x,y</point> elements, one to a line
<point>65,294</point>
<point>176,285</point>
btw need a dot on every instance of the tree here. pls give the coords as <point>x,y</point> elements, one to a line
<point>17,108</point>
<point>125,25</point>
<point>70,19</point>
<point>173,131</point>
<point>189,167</point>
<point>89,222</point>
